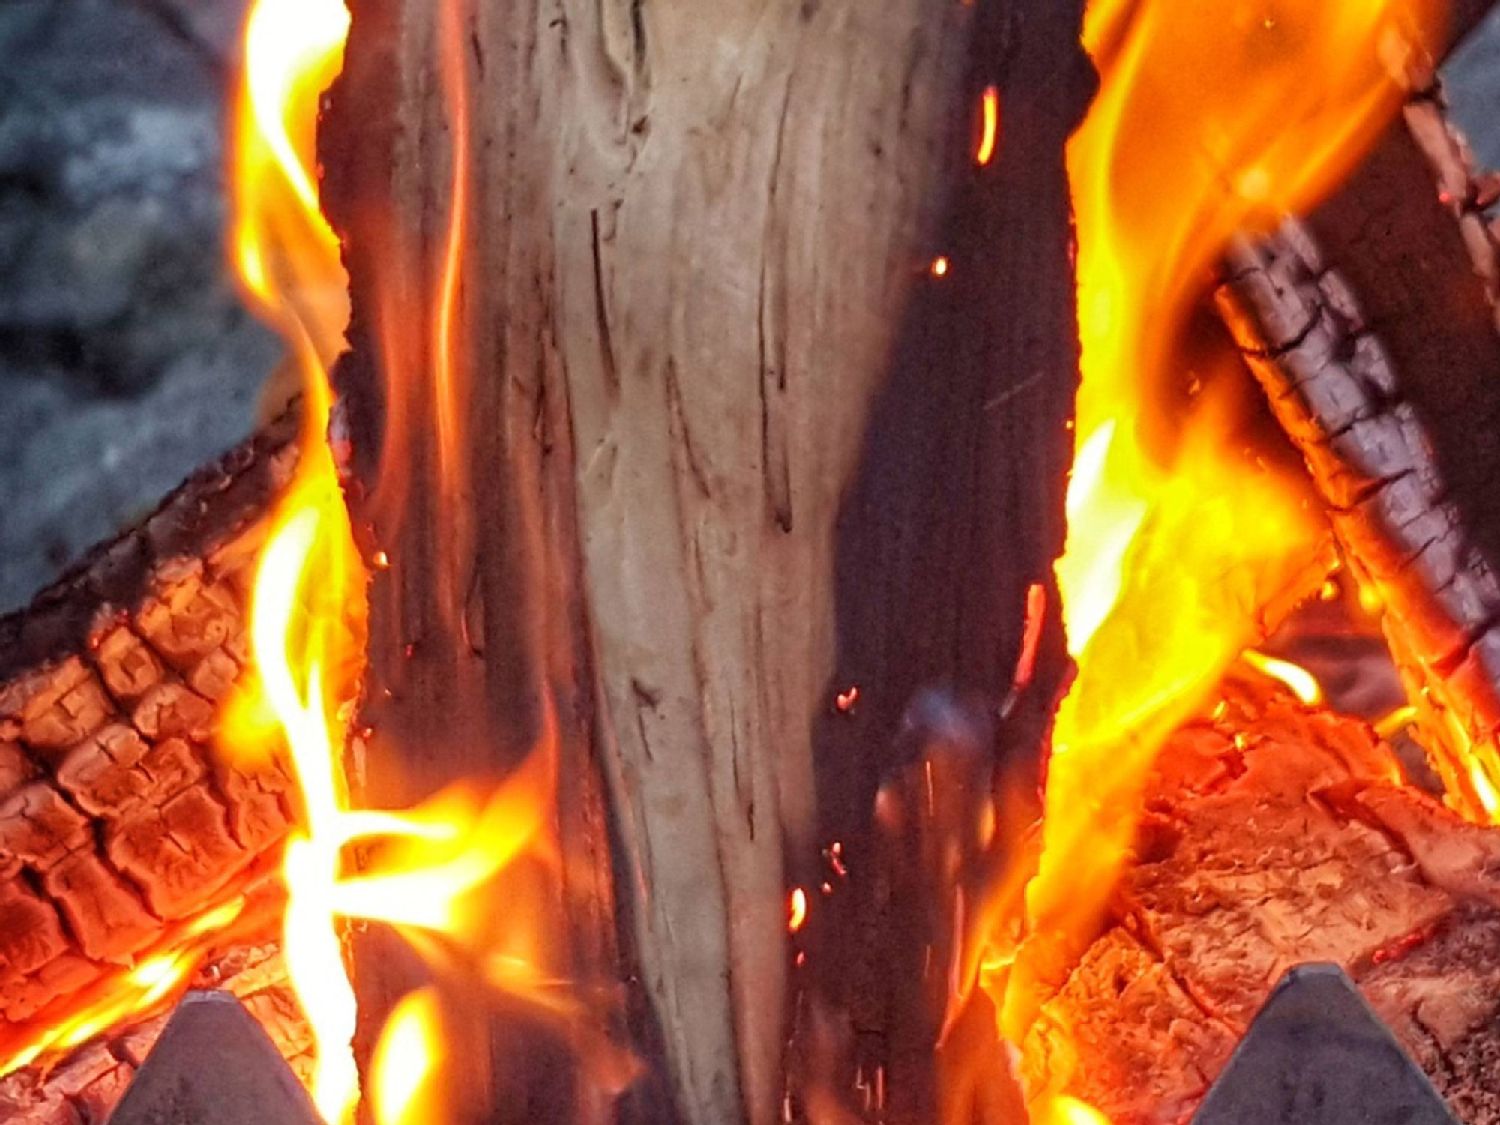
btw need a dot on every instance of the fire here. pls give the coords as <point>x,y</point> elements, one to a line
<point>1211,119</point>
<point>796,910</point>
<point>407,1059</point>
<point>418,869</point>
<point>1297,679</point>
<point>989,125</point>
<point>154,979</point>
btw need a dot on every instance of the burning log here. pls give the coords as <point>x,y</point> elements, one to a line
<point>1345,863</point>
<point>1391,413</point>
<point>1335,389</point>
<point>680,362</point>
<point>120,826</point>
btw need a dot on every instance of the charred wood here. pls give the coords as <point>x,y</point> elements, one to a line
<point>1334,388</point>
<point>1345,863</point>
<point>118,819</point>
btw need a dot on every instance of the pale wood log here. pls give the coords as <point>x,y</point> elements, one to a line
<point>691,238</point>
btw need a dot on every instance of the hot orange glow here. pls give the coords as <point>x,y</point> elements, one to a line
<point>139,990</point>
<point>939,267</point>
<point>989,125</point>
<point>1210,120</point>
<point>1065,1110</point>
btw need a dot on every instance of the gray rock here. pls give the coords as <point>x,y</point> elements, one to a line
<point>126,358</point>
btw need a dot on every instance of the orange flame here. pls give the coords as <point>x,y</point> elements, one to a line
<point>1210,119</point>
<point>420,868</point>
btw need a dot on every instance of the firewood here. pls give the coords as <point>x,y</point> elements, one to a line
<point>1334,388</point>
<point>1462,188</point>
<point>726,445</point>
<point>1276,834</point>
<point>118,819</point>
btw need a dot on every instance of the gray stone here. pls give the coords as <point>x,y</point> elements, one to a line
<point>126,358</point>
<point>1472,81</point>
<point>1316,1054</point>
<point>213,1065</point>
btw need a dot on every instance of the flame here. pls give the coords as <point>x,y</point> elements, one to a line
<point>1297,679</point>
<point>989,125</point>
<point>407,1061</point>
<point>155,979</point>
<point>1065,1110</point>
<point>1210,119</point>
<point>796,910</point>
<point>421,870</point>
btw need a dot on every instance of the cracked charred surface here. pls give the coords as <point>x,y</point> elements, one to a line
<point>1407,534</point>
<point>118,820</point>
<point>1273,835</point>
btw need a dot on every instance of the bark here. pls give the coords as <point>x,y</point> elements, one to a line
<point>1346,864</point>
<point>119,822</point>
<point>687,414</point>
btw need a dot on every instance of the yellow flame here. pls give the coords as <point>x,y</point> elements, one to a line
<point>1065,1110</point>
<point>420,867</point>
<point>1298,680</point>
<point>407,1060</point>
<point>1210,119</point>
<point>796,910</point>
<point>989,125</point>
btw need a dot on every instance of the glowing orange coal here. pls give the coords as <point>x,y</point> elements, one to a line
<point>1211,119</point>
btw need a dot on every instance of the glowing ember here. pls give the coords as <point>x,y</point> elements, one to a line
<point>1065,1110</point>
<point>796,910</point>
<point>157,977</point>
<point>989,123</point>
<point>1209,121</point>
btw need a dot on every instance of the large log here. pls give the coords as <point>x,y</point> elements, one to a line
<point>1343,862</point>
<point>120,822</point>
<point>716,444</point>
